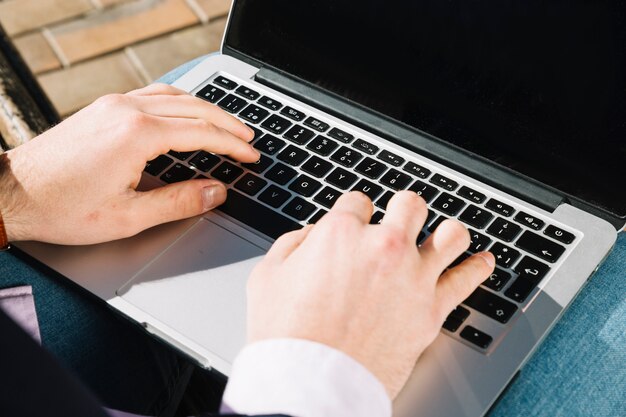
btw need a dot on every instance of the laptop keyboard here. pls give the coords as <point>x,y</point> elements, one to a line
<point>307,164</point>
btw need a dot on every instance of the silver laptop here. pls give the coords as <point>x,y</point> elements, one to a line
<point>507,116</point>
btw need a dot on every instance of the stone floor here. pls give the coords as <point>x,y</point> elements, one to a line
<point>82,49</point>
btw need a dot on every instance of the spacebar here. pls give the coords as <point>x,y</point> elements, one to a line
<point>257,216</point>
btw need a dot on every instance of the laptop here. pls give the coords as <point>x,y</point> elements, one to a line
<point>508,116</point>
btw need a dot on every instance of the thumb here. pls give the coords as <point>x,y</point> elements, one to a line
<point>177,201</point>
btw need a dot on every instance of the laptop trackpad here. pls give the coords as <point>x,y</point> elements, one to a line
<point>198,287</point>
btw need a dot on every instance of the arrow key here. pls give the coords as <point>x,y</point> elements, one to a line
<point>540,246</point>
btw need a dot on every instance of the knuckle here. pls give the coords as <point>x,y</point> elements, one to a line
<point>339,222</point>
<point>112,100</point>
<point>390,241</point>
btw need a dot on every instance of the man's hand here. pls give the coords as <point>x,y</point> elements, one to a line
<point>75,184</point>
<point>366,290</point>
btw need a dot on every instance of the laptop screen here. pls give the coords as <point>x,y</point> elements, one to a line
<point>537,86</point>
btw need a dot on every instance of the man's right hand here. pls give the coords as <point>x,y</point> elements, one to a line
<point>366,290</point>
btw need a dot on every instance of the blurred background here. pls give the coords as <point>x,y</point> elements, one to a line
<point>82,49</point>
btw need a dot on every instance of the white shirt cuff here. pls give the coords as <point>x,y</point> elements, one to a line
<point>302,378</point>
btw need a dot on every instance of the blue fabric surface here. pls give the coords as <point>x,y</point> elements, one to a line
<point>580,369</point>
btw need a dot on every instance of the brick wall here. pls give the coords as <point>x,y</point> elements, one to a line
<point>82,49</point>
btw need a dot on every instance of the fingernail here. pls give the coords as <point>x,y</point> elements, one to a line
<point>489,259</point>
<point>251,131</point>
<point>213,196</point>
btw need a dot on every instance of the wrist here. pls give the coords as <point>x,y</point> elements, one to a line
<point>10,192</point>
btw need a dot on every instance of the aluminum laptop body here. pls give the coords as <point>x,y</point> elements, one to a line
<point>185,281</point>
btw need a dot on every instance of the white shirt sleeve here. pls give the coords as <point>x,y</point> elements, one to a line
<point>302,378</point>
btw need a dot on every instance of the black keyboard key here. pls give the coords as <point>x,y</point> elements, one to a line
<point>316,124</point>
<point>452,324</point>
<point>471,195</point>
<point>280,174</point>
<point>384,200</point>
<point>293,114</point>
<point>327,197</point>
<point>377,217</point>
<point>476,216</point>
<point>274,196</point>
<point>443,182</point>
<point>299,135</point>
<point>520,290</point>
<point>476,337</point>
<point>340,135</point>
<point>341,178</point>
<point>413,168</point>
<point>500,208</point>
<point>232,103</point>
<point>305,185</point>
<point>257,216</point>
<point>211,94</point>
<point>225,82</point>
<point>434,225</point>
<point>254,113</point>
<point>157,165</point>
<point>531,272</point>
<point>269,144</point>
<point>366,147</point>
<point>371,168</point>
<point>299,208</point>
<point>448,204</point>
<point>204,161</point>
<point>532,269</point>
<point>317,166</point>
<point>322,145</point>
<point>250,184</point>
<point>369,189</point>
<point>260,165</point>
<point>430,216</point>
<point>293,155</point>
<point>497,280</point>
<point>317,216</point>
<point>528,220</point>
<point>540,246</point>
<point>505,256</point>
<point>396,180</point>
<point>428,192</point>
<point>504,229</point>
<point>491,305</point>
<point>478,242</point>
<point>227,172</point>
<point>276,124</point>
<point>270,103</point>
<point>247,92</point>
<point>178,172</point>
<point>183,156</point>
<point>559,234</point>
<point>391,158</point>
<point>459,313</point>
<point>346,156</point>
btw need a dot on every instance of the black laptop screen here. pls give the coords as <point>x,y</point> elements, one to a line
<point>538,86</point>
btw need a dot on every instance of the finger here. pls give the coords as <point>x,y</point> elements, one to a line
<point>185,135</point>
<point>286,244</point>
<point>355,203</point>
<point>175,202</point>
<point>449,240</point>
<point>406,211</point>
<point>186,106</point>
<point>456,284</point>
<point>157,89</point>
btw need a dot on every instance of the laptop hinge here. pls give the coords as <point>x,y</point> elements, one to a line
<point>470,164</point>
